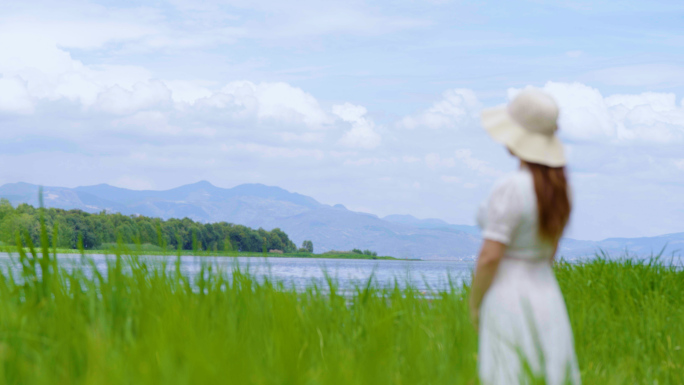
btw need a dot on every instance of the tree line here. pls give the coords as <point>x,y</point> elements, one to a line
<point>68,228</point>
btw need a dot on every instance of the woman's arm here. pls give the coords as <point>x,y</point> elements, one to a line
<point>487,264</point>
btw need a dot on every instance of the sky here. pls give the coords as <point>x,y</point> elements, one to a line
<point>374,105</point>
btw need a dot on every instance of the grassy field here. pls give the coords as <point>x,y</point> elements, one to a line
<point>139,323</point>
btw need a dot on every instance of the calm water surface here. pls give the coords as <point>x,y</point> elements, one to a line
<point>424,275</point>
<point>302,272</point>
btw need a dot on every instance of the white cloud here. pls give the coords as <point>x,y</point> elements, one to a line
<point>586,115</point>
<point>457,107</point>
<point>651,117</point>
<point>466,156</point>
<point>362,133</point>
<point>33,52</point>
<point>128,90</point>
<point>187,91</point>
<point>152,122</point>
<point>142,96</point>
<point>349,112</point>
<point>279,101</point>
<point>583,112</point>
<point>14,97</point>
<point>34,42</point>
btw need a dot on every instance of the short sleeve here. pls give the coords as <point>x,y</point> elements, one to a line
<point>503,212</point>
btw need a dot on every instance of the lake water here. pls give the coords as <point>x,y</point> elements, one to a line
<point>302,272</point>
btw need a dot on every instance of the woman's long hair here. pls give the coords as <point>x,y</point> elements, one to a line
<point>553,202</point>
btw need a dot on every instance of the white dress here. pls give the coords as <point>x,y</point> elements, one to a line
<point>523,319</point>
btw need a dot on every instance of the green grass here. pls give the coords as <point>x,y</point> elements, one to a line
<point>628,320</point>
<point>142,323</point>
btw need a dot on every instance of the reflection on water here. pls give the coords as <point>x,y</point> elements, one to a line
<point>302,272</point>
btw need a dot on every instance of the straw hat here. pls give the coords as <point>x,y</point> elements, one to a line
<point>527,126</point>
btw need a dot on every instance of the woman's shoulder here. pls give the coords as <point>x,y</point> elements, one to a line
<point>512,182</point>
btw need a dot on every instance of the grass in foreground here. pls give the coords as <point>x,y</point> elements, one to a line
<point>141,323</point>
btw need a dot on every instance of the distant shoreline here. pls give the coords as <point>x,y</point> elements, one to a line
<point>227,254</point>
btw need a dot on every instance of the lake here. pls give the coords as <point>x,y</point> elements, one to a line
<point>302,272</point>
<point>431,275</point>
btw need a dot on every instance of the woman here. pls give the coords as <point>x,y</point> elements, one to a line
<point>515,299</point>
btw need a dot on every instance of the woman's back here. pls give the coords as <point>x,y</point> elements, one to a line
<point>523,319</point>
<point>515,299</point>
<point>512,215</point>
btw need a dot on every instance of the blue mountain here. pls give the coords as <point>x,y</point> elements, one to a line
<point>302,217</point>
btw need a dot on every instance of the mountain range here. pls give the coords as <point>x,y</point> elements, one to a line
<point>302,217</point>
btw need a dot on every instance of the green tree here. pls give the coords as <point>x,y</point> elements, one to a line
<point>308,246</point>
<point>96,229</point>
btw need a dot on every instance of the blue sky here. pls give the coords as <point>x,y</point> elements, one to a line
<point>374,105</point>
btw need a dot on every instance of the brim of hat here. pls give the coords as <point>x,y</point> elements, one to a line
<point>526,145</point>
